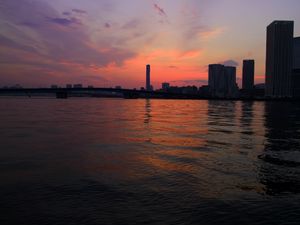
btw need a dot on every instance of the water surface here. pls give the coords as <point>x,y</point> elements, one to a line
<point>115,161</point>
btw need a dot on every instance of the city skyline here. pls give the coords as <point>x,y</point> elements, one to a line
<point>61,42</point>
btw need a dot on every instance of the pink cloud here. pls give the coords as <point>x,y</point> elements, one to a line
<point>60,52</point>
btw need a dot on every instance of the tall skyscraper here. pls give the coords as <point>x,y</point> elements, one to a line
<point>296,68</point>
<point>279,59</point>
<point>216,80</point>
<point>148,79</point>
<point>222,81</point>
<point>296,53</point>
<point>248,75</point>
<point>230,79</point>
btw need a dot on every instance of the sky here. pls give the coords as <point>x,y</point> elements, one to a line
<point>106,43</point>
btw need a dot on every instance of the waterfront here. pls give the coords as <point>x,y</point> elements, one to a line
<point>116,161</point>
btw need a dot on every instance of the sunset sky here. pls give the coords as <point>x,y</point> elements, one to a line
<point>109,42</point>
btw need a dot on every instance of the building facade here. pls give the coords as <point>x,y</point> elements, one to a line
<point>248,75</point>
<point>216,81</point>
<point>279,59</point>
<point>222,81</point>
<point>296,46</point>
<point>296,69</point>
<point>230,79</point>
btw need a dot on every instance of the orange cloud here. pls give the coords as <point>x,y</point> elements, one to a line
<point>191,54</point>
<point>210,34</point>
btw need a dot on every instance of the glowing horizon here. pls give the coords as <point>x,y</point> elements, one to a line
<point>109,42</point>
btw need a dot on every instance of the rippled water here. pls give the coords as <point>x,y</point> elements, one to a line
<point>115,161</point>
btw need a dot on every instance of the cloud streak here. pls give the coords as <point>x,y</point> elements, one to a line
<point>159,10</point>
<point>80,11</point>
<point>65,21</point>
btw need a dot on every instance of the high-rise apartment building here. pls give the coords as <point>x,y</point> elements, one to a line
<point>222,81</point>
<point>248,74</point>
<point>279,59</point>
<point>296,69</point>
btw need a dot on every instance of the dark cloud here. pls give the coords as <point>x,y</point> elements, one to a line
<point>80,11</point>
<point>67,13</point>
<point>159,10</point>
<point>107,25</point>
<point>65,21</point>
<point>230,62</point>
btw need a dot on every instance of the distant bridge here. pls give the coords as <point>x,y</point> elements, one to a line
<point>121,93</point>
<point>126,93</point>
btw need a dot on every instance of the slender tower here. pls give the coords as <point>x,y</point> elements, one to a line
<point>279,60</point>
<point>148,79</point>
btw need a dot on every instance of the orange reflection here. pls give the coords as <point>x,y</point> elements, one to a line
<point>178,141</point>
<point>165,166</point>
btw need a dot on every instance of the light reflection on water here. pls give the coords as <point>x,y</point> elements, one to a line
<point>112,161</point>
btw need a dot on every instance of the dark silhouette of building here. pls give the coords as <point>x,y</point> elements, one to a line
<point>54,86</point>
<point>148,78</point>
<point>230,82</point>
<point>191,90</point>
<point>296,68</point>
<point>16,86</point>
<point>248,75</point>
<point>77,86</point>
<point>216,80</point>
<point>222,81</point>
<point>279,59</point>
<point>165,86</point>
<point>259,90</point>
<point>297,52</point>
<point>204,91</point>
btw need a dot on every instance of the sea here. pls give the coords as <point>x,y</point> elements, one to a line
<point>94,161</point>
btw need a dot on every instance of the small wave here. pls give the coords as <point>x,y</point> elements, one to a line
<point>291,159</point>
